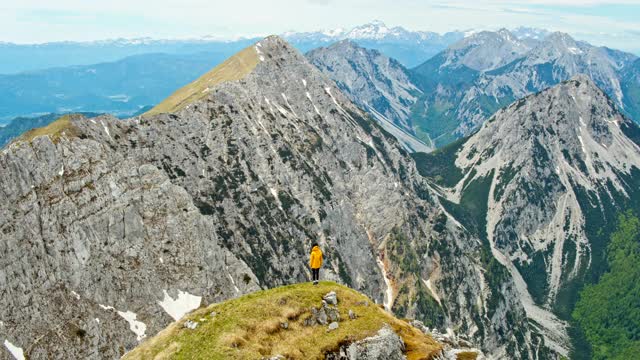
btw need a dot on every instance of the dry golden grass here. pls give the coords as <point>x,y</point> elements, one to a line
<point>467,355</point>
<point>249,328</point>
<point>234,68</point>
<point>62,126</point>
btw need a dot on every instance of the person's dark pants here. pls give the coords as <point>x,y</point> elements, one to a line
<point>315,274</point>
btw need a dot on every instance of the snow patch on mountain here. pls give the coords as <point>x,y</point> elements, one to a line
<point>138,327</point>
<point>182,304</point>
<point>17,352</point>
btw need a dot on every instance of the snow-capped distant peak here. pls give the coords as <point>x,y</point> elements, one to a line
<point>374,30</point>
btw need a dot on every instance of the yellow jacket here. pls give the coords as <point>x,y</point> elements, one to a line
<point>316,258</point>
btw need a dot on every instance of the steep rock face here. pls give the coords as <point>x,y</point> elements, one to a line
<point>459,96</point>
<point>91,238</point>
<point>111,229</point>
<point>631,90</point>
<point>485,50</point>
<point>375,83</point>
<point>540,181</point>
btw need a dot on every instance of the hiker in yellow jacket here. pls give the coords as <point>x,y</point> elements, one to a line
<point>315,262</point>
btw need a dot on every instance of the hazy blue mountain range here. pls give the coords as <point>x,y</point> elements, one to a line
<point>121,76</point>
<point>119,88</point>
<point>409,47</point>
<point>29,57</point>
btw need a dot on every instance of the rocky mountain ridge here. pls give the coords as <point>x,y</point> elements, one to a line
<point>374,82</point>
<point>485,50</point>
<point>460,94</point>
<point>542,181</point>
<point>112,229</point>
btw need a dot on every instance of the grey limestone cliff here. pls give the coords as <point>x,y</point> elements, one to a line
<point>111,229</point>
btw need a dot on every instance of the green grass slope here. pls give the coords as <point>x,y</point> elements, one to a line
<point>249,327</point>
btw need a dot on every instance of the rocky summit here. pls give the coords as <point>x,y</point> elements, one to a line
<point>294,322</point>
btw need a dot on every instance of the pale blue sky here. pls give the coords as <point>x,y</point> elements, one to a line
<point>614,23</point>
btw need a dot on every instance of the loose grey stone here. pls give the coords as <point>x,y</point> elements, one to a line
<point>331,298</point>
<point>189,324</point>
<point>333,326</point>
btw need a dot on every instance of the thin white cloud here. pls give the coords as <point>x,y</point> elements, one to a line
<point>38,21</point>
<point>576,3</point>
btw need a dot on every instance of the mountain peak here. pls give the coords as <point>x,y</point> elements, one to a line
<point>507,34</point>
<point>538,158</point>
<point>559,35</point>
<point>234,68</point>
<point>561,40</point>
<point>374,30</point>
<point>486,50</point>
<point>576,114</point>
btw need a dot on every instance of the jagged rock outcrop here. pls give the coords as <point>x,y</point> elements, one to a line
<point>385,345</point>
<point>111,229</point>
<point>376,83</point>
<point>542,182</point>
